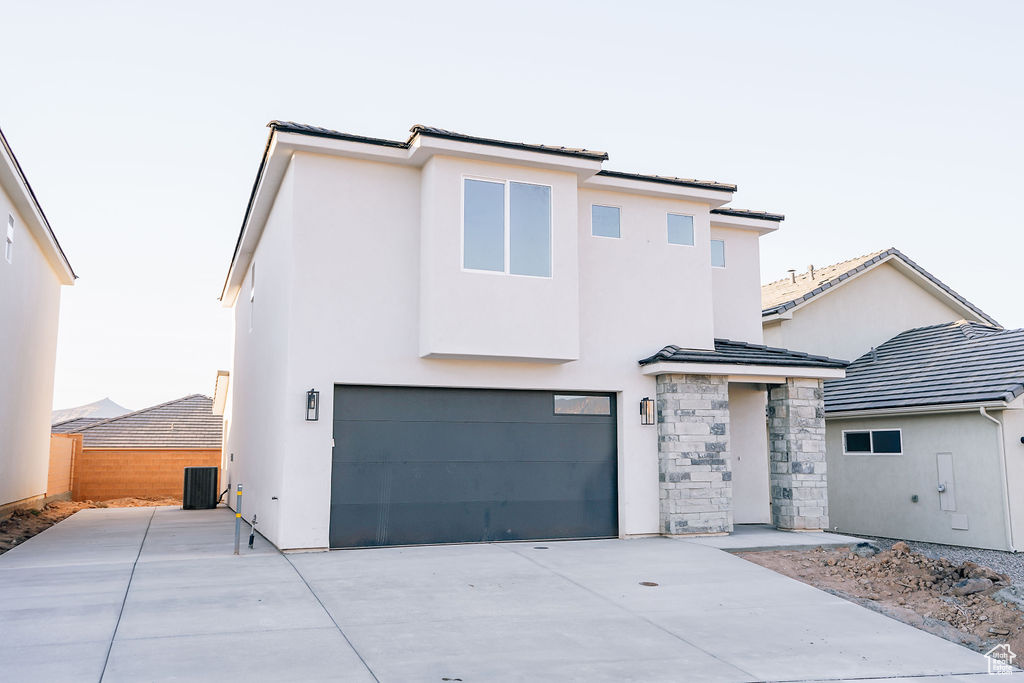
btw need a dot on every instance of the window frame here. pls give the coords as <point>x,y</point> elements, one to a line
<point>506,182</point>
<point>582,394</point>
<point>605,206</point>
<point>9,240</point>
<point>725,260</point>
<point>871,441</point>
<point>693,229</point>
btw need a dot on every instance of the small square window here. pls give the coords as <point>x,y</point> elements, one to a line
<point>886,441</point>
<point>680,229</point>
<point>604,221</point>
<point>718,253</point>
<point>857,442</point>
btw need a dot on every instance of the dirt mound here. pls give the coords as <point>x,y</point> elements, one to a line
<point>24,524</point>
<point>956,601</point>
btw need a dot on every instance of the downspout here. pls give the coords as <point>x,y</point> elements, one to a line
<point>1002,475</point>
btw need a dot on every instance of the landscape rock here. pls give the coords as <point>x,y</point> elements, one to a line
<point>900,548</point>
<point>971,586</point>
<point>1011,595</point>
<point>865,549</point>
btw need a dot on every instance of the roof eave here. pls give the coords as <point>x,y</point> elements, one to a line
<point>13,178</point>
<point>740,370</point>
<point>969,407</point>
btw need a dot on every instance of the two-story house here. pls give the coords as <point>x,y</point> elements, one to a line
<point>453,338</point>
<point>32,270</point>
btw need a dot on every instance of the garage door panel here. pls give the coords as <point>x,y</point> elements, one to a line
<point>427,465</point>
<point>445,441</point>
<point>497,483</point>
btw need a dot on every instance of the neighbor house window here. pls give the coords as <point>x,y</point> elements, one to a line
<point>582,405</point>
<point>506,227</point>
<point>718,253</point>
<point>9,239</point>
<point>873,442</point>
<point>680,229</point>
<point>252,296</point>
<point>604,221</point>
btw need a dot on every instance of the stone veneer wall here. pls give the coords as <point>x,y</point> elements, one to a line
<point>694,471</point>
<point>796,436</point>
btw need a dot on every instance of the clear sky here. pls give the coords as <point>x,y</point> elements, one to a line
<point>141,125</point>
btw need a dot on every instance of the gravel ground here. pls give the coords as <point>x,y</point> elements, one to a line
<point>1011,564</point>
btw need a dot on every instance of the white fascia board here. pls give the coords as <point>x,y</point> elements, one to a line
<point>917,410</point>
<point>714,198</point>
<point>423,147</point>
<point>21,196</point>
<point>758,225</point>
<point>220,391</point>
<point>742,373</point>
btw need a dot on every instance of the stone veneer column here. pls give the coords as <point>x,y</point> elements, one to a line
<point>796,436</point>
<point>694,472</point>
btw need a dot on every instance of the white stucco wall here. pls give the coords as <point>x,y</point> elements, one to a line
<point>737,287</point>
<point>29,310</point>
<point>871,494</point>
<point>1013,432</point>
<point>257,401</point>
<point>865,311</point>
<point>341,283</point>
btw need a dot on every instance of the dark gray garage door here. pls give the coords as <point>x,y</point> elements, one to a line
<point>422,465</point>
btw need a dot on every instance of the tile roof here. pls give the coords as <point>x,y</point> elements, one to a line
<point>186,422</point>
<point>432,131</point>
<point>782,295</point>
<point>74,425</point>
<point>671,180</point>
<point>742,353</point>
<point>750,213</point>
<point>958,362</point>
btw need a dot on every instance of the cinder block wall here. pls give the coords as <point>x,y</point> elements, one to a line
<point>65,450</point>
<point>102,474</point>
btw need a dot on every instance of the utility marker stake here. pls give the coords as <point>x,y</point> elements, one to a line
<point>238,517</point>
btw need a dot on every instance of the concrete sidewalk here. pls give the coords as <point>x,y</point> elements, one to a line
<point>155,594</point>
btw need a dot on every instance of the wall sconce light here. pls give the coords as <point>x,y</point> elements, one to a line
<point>312,405</point>
<point>647,411</point>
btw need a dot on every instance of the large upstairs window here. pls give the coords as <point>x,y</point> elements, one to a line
<point>506,227</point>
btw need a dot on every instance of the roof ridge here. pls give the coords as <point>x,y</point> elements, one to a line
<point>144,410</point>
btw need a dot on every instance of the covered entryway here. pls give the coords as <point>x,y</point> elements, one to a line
<point>415,465</point>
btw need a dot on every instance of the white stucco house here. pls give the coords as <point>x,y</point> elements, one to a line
<point>924,433</point>
<point>451,338</point>
<point>33,268</point>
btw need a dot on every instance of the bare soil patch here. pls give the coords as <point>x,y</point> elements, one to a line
<point>925,592</point>
<point>24,524</point>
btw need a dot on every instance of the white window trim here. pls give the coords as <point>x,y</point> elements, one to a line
<point>724,256</point>
<point>607,206</point>
<point>692,217</point>
<point>508,227</point>
<point>871,441</point>
<point>9,240</point>
<point>252,296</point>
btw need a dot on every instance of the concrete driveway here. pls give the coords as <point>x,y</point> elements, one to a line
<point>155,594</point>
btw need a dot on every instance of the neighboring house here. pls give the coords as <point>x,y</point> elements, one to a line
<point>935,405</point>
<point>452,338</point>
<point>925,438</point>
<point>33,268</point>
<point>144,453</point>
<point>844,309</point>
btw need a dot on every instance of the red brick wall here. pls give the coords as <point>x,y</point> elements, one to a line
<point>102,474</point>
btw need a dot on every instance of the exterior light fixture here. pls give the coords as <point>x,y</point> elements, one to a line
<point>647,411</point>
<point>312,405</point>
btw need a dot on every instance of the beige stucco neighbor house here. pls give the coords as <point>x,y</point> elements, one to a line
<point>451,338</point>
<point>33,268</point>
<point>924,433</point>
